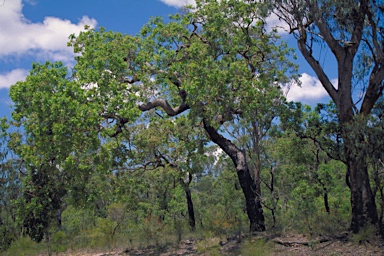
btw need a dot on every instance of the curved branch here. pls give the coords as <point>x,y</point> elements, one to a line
<point>237,156</point>
<point>165,106</point>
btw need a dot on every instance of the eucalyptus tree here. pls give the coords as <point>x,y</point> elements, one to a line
<point>212,64</point>
<point>353,31</point>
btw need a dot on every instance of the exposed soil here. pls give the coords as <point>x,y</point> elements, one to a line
<point>282,245</point>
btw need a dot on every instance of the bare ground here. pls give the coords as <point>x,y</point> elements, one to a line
<point>282,245</point>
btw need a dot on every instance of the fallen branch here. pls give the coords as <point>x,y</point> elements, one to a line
<point>306,243</point>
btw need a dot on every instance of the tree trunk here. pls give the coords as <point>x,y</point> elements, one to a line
<point>191,211</point>
<point>363,204</point>
<point>252,200</point>
<point>238,157</point>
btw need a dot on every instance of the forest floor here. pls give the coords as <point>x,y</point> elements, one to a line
<point>275,245</point>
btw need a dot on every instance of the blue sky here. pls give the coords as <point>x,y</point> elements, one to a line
<point>37,30</point>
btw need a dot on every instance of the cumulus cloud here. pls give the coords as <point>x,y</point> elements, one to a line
<point>46,40</point>
<point>273,22</point>
<point>10,78</point>
<point>49,38</point>
<point>311,90</point>
<point>178,3</point>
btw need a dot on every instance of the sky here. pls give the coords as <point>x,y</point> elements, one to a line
<point>38,30</point>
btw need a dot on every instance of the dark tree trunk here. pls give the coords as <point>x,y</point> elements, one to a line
<point>363,204</point>
<point>325,192</point>
<point>326,203</point>
<point>252,197</point>
<point>252,200</point>
<point>364,210</point>
<point>191,211</point>
<point>362,28</point>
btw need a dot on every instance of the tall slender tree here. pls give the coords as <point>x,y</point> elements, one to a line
<point>353,31</point>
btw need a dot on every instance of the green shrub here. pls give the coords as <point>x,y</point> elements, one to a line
<point>59,242</point>
<point>103,234</point>
<point>25,247</point>
<point>6,238</point>
<point>209,246</point>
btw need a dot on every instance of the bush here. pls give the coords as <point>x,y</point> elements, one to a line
<point>25,247</point>
<point>59,242</point>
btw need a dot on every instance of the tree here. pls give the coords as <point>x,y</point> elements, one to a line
<point>212,64</point>
<point>353,31</point>
<point>58,131</point>
<point>171,143</point>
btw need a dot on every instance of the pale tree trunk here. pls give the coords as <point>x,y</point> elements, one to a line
<point>256,156</point>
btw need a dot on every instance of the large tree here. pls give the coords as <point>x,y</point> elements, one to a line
<point>215,64</point>
<point>353,31</point>
<point>59,133</point>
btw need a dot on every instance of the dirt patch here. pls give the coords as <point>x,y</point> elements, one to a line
<point>283,245</point>
<point>300,245</point>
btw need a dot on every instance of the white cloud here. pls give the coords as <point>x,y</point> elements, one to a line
<point>10,78</point>
<point>49,38</point>
<point>273,21</point>
<point>178,3</point>
<point>311,90</point>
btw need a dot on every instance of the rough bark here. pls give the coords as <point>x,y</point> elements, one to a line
<point>306,17</point>
<point>248,186</point>
<point>363,204</point>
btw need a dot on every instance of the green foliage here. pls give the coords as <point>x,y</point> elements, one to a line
<point>219,201</point>
<point>6,237</point>
<point>59,242</point>
<point>310,173</point>
<point>25,246</point>
<point>366,235</point>
<point>209,246</point>
<point>118,170</point>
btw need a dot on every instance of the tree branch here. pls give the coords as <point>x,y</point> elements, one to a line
<point>237,156</point>
<point>333,44</point>
<point>165,106</point>
<point>328,86</point>
<point>375,88</point>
